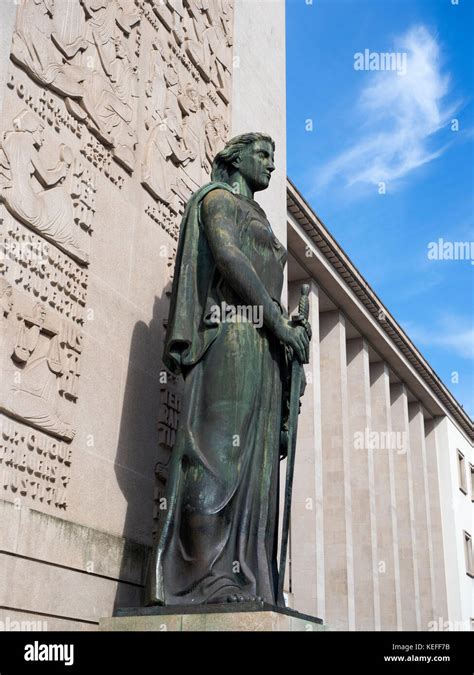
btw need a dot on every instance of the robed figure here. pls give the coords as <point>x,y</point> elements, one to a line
<point>218,536</point>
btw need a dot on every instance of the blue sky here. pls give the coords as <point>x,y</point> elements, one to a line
<point>383,166</point>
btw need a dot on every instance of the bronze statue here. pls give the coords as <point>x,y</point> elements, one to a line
<point>218,537</point>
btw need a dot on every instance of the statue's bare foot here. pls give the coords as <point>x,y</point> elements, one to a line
<point>243,597</point>
<point>224,596</point>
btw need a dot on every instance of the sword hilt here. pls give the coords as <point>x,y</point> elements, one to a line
<point>303,305</point>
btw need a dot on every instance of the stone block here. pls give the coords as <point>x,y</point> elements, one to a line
<point>248,617</point>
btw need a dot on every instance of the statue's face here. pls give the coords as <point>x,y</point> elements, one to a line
<point>256,164</point>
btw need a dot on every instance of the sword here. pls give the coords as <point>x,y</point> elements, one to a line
<point>297,374</point>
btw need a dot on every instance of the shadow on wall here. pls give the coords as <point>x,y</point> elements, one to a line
<point>138,450</point>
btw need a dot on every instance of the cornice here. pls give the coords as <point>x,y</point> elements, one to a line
<point>349,275</point>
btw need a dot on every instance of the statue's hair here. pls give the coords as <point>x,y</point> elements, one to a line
<point>222,167</point>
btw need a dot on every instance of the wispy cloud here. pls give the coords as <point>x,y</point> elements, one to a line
<point>451,333</point>
<point>399,115</point>
<point>454,334</point>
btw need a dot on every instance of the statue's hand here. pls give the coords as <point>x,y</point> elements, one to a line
<point>295,336</point>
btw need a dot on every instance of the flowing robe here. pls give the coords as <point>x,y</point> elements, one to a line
<point>218,535</point>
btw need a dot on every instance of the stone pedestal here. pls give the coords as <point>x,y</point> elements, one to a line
<point>248,616</point>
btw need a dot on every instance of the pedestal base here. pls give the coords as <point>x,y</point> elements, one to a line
<point>245,616</point>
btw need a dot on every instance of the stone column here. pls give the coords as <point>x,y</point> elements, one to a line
<point>405,510</point>
<point>307,536</point>
<point>6,31</point>
<point>387,534</point>
<point>259,91</point>
<point>424,542</point>
<point>449,495</point>
<point>338,560</point>
<point>440,602</point>
<point>364,532</point>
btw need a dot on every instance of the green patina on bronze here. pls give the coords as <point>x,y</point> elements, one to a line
<point>218,536</point>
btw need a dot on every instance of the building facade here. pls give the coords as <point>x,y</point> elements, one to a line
<point>111,114</point>
<point>383,515</point>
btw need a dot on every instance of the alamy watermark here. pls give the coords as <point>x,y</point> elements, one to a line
<point>9,625</point>
<point>38,651</point>
<point>391,61</point>
<point>225,313</point>
<point>451,250</point>
<point>441,624</point>
<point>24,252</point>
<point>381,440</point>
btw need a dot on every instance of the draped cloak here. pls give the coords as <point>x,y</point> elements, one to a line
<point>218,533</point>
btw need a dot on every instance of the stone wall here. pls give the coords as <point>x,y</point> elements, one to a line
<point>111,115</point>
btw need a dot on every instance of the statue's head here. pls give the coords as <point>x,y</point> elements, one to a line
<point>251,156</point>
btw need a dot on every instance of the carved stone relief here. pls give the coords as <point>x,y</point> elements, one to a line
<point>42,271</point>
<point>105,97</point>
<point>33,465</point>
<point>80,50</point>
<point>34,49</point>
<point>37,195</point>
<point>39,363</point>
<point>187,90</point>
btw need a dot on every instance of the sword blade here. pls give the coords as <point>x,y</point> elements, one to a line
<point>296,378</point>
